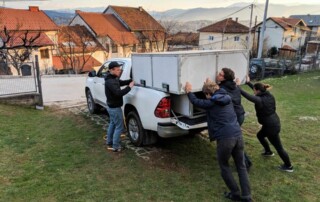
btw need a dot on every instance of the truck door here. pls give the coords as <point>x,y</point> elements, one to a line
<point>98,83</point>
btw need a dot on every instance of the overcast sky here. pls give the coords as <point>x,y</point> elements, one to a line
<point>151,5</point>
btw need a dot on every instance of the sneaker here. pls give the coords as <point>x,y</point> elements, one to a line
<point>123,135</point>
<point>286,168</point>
<point>120,149</point>
<point>109,146</point>
<point>232,197</point>
<point>267,154</point>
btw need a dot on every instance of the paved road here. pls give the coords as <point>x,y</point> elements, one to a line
<point>63,90</point>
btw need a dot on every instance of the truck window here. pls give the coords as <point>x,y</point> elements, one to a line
<point>103,70</point>
<point>102,73</point>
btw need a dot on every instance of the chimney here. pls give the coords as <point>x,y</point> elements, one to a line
<point>77,11</point>
<point>34,8</point>
<point>236,19</point>
<point>140,8</point>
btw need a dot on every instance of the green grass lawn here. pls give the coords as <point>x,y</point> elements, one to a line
<point>53,155</point>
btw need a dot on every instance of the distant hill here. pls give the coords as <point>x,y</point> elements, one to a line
<point>216,14</point>
<point>60,18</point>
<point>189,17</point>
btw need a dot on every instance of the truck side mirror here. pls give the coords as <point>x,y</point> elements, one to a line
<point>92,74</point>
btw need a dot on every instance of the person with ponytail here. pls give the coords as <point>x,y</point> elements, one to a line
<point>265,106</point>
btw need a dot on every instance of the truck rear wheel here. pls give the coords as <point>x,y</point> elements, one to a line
<point>135,130</point>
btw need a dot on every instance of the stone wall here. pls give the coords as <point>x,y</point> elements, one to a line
<point>31,99</point>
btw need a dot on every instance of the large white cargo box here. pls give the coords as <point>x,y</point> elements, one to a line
<point>169,71</point>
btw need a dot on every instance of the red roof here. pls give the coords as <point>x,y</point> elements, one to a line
<point>226,26</point>
<point>287,23</point>
<point>137,18</point>
<point>91,62</point>
<point>32,19</point>
<point>17,37</point>
<point>286,47</point>
<point>108,25</point>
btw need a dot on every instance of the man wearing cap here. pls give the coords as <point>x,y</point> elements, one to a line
<point>114,96</point>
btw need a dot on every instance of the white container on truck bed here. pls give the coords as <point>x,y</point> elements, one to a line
<point>169,71</point>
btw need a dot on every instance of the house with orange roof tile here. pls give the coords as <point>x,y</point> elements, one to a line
<point>77,51</point>
<point>286,34</point>
<point>29,24</point>
<point>117,40</point>
<point>151,34</point>
<point>225,34</point>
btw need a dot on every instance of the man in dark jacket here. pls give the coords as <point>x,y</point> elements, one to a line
<point>114,96</point>
<point>224,128</point>
<point>225,79</point>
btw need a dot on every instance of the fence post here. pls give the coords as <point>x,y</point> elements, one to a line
<point>40,104</point>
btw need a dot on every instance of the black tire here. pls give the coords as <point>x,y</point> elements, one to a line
<point>92,106</point>
<point>135,130</point>
<point>255,72</point>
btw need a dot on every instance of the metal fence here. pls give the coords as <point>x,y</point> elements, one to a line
<point>14,85</point>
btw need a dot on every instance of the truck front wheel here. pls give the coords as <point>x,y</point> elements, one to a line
<point>92,106</point>
<point>135,130</point>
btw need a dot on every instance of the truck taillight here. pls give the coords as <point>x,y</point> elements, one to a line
<point>163,108</point>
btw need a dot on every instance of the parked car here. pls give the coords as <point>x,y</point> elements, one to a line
<point>260,68</point>
<point>256,68</point>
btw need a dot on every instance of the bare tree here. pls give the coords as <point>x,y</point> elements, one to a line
<point>76,47</point>
<point>169,27</point>
<point>18,46</point>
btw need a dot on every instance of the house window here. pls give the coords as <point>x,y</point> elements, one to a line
<point>134,48</point>
<point>90,43</point>
<point>44,54</point>
<point>69,44</point>
<point>107,47</point>
<point>211,38</point>
<point>247,38</point>
<point>114,48</point>
<point>236,38</point>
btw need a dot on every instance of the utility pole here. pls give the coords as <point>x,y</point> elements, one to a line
<point>259,30</point>
<point>250,29</point>
<point>254,37</point>
<point>263,30</point>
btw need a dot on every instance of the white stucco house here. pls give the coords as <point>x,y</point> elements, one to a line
<point>280,32</point>
<point>225,34</point>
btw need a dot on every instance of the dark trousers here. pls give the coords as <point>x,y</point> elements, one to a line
<point>225,149</point>
<point>247,160</point>
<point>272,133</point>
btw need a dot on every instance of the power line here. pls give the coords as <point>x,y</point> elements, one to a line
<point>233,13</point>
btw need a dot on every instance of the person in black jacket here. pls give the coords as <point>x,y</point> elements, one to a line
<point>224,128</point>
<point>114,96</point>
<point>265,106</point>
<point>225,79</point>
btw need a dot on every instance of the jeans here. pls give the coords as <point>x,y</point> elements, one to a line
<point>225,149</point>
<point>272,133</point>
<point>115,127</point>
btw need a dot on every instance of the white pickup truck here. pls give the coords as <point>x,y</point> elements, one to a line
<point>164,111</point>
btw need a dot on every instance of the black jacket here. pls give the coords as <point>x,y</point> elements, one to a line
<point>221,118</point>
<point>113,91</point>
<point>265,106</point>
<point>235,94</point>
